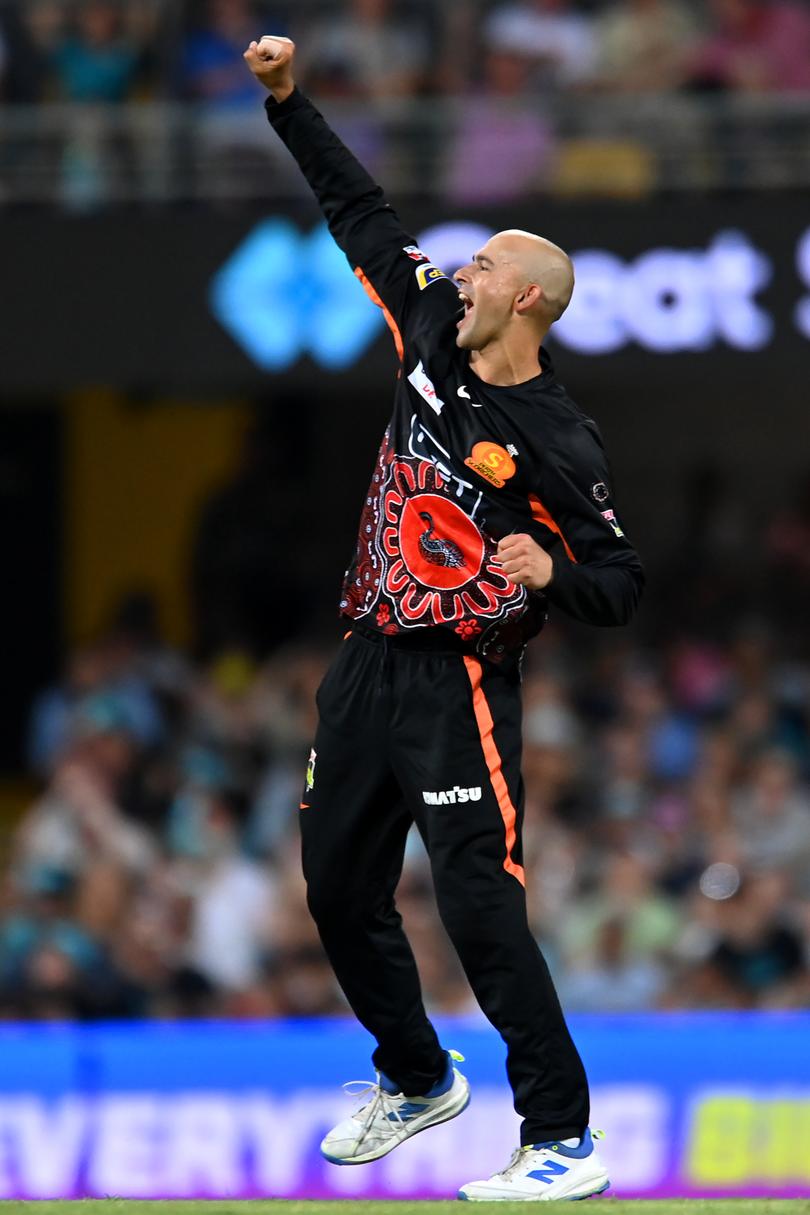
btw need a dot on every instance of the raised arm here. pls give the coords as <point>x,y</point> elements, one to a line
<point>381,252</point>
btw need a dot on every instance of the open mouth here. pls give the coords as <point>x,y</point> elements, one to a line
<point>468,306</point>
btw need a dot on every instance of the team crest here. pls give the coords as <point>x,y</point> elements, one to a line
<point>492,462</point>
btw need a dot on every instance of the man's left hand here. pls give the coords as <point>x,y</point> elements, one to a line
<point>525,562</point>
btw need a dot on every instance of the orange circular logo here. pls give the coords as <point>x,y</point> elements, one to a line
<point>440,545</point>
<point>492,462</point>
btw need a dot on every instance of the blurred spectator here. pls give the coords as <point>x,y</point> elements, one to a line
<point>641,45</point>
<point>649,921</point>
<point>106,682</point>
<point>757,951</point>
<point>230,896</point>
<point>757,46</point>
<point>50,966</point>
<point>77,821</point>
<point>212,69</point>
<point>613,980</point>
<point>557,39</point>
<point>771,815</point>
<point>368,51</point>
<point>502,146</point>
<point>97,53</point>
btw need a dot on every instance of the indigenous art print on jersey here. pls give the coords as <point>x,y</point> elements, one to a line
<point>421,559</point>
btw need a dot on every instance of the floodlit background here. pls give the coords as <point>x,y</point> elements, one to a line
<point>192,388</point>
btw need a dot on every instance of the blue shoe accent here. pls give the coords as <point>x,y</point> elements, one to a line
<point>387,1085</point>
<point>549,1171</point>
<point>462,1197</point>
<point>578,1153</point>
<point>441,1086</point>
<point>408,1110</point>
<point>445,1084</point>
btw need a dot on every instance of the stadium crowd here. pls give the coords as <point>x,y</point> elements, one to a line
<point>475,101</point>
<point>667,830</point>
<point>117,50</point>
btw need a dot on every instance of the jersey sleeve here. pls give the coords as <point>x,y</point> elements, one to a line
<point>413,293</point>
<point>598,577</point>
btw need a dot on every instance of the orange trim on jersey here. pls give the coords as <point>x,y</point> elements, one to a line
<point>373,295</point>
<point>483,717</point>
<point>541,514</point>
<point>346,636</point>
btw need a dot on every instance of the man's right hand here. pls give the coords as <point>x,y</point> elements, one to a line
<point>270,61</point>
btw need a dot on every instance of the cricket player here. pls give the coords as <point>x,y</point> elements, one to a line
<point>490,499</point>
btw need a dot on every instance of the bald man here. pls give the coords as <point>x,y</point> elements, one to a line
<point>490,498</point>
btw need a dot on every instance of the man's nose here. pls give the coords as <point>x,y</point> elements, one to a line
<point>462,274</point>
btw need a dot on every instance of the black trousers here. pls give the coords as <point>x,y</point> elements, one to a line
<point>412,733</point>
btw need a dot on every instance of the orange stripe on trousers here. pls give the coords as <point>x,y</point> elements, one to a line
<point>374,296</point>
<point>483,718</point>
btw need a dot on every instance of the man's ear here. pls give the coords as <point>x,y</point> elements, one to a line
<point>529,298</point>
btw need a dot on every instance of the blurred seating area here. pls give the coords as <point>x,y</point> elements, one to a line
<point>667,831</point>
<point>462,100</point>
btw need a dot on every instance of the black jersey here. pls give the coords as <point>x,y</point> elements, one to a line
<point>463,463</point>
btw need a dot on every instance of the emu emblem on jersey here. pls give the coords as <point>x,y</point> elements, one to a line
<point>492,462</point>
<point>440,545</point>
<point>437,566</point>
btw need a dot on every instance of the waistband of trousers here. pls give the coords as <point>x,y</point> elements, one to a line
<point>434,640</point>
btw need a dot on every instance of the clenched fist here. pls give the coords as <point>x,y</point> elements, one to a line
<point>525,562</point>
<point>270,61</point>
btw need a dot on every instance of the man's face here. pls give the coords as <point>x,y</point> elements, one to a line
<point>488,287</point>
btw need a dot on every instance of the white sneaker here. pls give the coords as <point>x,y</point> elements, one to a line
<point>543,1173</point>
<point>388,1118</point>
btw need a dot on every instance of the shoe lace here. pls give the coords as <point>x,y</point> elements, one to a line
<point>516,1159</point>
<point>518,1154</point>
<point>379,1102</point>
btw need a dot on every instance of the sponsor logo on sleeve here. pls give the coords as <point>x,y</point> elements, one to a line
<point>415,253</point>
<point>427,274</point>
<point>599,492</point>
<point>610,516</point>
<point>492,462</point>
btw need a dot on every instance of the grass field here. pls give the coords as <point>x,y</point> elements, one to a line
<point>606,1206</point>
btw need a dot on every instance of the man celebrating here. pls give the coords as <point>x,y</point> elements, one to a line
<point>489,499</point>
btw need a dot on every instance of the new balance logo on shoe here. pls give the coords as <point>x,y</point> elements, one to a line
<point>550,1170</point>
<point>449,797</point>
<point>385,1119</point>
<point>407,1110</point>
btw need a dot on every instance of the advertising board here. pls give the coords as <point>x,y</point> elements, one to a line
<point>692,1104</point>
